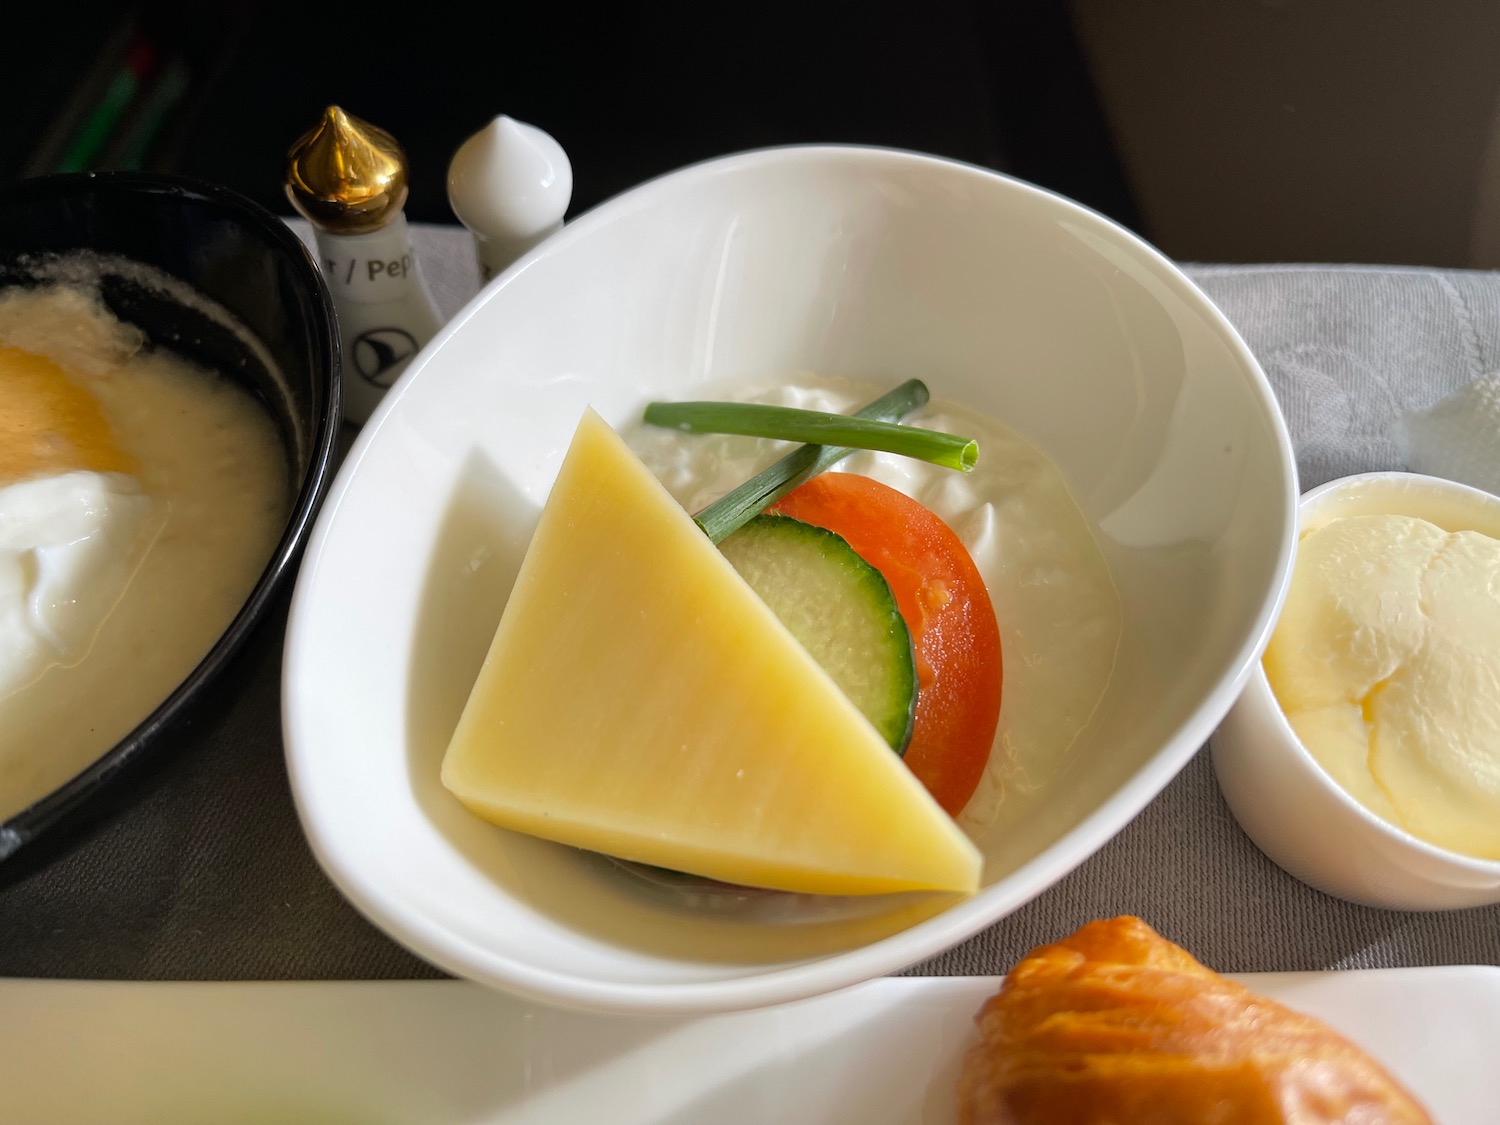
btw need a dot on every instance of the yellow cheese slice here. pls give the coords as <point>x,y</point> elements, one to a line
<point>640,700</point>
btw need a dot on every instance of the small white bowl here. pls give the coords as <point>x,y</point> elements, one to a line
<point>1289,805</point>
<point>866,263</point>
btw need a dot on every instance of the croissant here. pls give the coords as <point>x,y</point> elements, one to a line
<point>1117,1026</point>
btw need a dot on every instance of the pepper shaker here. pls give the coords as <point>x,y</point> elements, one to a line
<point>510,184</point>
<point>348,178</point>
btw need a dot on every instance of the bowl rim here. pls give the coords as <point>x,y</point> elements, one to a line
<point>1258,692</point>
<point>63,805</point>
<point>788,982</point>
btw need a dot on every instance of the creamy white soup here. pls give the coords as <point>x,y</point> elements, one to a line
<point>140,499</point>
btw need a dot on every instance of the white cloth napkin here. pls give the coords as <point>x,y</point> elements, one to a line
<point>1459,438</point>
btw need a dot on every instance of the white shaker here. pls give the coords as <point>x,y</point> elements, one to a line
<point>348,178</point>
<point>510,184</point>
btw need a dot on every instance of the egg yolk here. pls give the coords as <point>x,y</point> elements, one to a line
<point>49,422</point>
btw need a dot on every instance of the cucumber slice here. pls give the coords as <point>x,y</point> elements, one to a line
<point>841,610</point>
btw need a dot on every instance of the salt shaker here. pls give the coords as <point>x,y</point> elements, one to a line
<point>348,178</point>
<point>510,184</point>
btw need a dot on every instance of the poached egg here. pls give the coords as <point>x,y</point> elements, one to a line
<point>74,523</point>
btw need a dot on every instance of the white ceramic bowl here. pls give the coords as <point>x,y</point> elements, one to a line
<point>868,263</point>
<point>1289,805</point>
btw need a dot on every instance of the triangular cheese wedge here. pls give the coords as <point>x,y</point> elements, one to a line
<point>640,700</point>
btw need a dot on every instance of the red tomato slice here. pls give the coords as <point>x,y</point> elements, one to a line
<point>947,608</point>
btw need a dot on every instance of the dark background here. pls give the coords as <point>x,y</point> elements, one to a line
<point>1230,130</point>
<point>629,93</point>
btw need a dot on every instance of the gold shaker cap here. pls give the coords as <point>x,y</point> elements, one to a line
<point>345,175</point>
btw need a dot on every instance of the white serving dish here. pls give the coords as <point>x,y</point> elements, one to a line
<point>449,1053</point>
<point>1289,805</point>
<point>860,262</point>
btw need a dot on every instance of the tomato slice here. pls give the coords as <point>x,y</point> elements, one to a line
<point>941,595</point>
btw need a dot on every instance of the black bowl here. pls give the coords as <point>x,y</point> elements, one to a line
<point>246,260</point>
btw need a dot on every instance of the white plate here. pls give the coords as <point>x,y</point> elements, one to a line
<point>865,263</point>
<point>450,1053</point>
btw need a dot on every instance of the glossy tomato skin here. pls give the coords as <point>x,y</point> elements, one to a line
<point>940,593</point>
